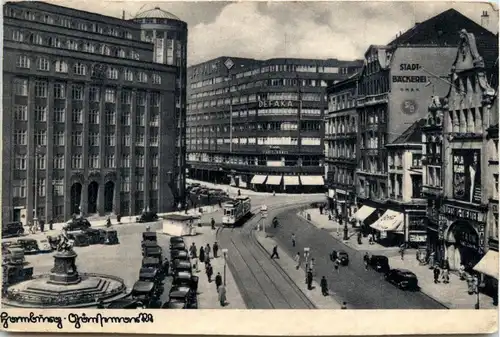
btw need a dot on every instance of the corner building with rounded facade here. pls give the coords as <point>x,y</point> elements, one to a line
<point>259,124</point>
<point>90,119</point>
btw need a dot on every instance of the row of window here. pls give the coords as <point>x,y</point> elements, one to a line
<point>81,69</point>
<point>71,44</point>
<point>340,149</point>
<point>77,116</point>
<point>341,175</point>
<point>20,137</point>
<point>341,101</point>
<point>269,160</point>
<point>66,21</point>
<point>271,126</point>
<point>20,186</point>
<point>290,68</point>
<point>61,91</point>
<point>340,124</point>
<point>466,121</point>
<point>312,141</point>
<point>254,112</point>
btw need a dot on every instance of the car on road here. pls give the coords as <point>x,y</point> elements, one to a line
<point>77,224</point>
<point>44,245</point>
<point>379,263</point>
<point>402,278</point>
<point>343,257</point>
<point>179,254</point>
<point>147,217</point>
<point>12,229</point>
<point>30,246</point>
<point>181,265</point>
<point>176,239</point>
<point>177,246</point>
<point>80,238</point>
<point>185,294</point>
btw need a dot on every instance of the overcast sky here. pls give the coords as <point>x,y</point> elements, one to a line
<point>342,30</point>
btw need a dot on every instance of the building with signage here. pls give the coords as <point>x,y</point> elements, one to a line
<point>84,107</point>
<point>340,144</point>
<point>432,166</point>
<point>471,113</point>
<point>259,124</point>
<point>169,35</point>
<point>394,91</point>
<point>404,219</point>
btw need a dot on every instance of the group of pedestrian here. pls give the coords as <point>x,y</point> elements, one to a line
<point>444,273</point>
<point>39,226</point>
<point>204,256</point>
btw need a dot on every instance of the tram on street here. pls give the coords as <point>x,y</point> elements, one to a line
<point>235,210</point>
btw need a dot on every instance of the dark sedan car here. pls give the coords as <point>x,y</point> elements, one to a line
<point>379,263</point>
<point>12,229</point>
<point>343,257</point>
<point>147,217</point>
<point>403,279</point>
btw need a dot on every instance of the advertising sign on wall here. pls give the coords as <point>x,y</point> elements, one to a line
<point>467,175</point>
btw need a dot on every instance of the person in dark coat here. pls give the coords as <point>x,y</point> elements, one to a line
<point>118,218</point>
<point>42,225</point>
<point>202,255</point>
<point>213,223</point>
<point>239,193</point>
<point>216,249</point>
<point>309,279</point>
<point>210,272</point>
<point>275,253</point>
<point>218,281</point>
<point>324,286</point>
<point>436,272</point>
<point>51,224</point>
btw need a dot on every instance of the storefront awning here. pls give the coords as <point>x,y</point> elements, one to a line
<point>258,179</point>
<point>363,213</point>
<point>391,221</point>
<point>291,180</point>
<point>312,180</point>
<point>273,180</point>
<point>488,264</point>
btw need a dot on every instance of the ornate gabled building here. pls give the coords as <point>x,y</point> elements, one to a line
<point>469,191</point>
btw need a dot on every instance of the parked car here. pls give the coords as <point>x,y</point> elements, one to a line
<point>96,236</point>
<point>402,278</point>
<point>12,229</point>
<point>126,303</point>
<point>181,265</point>
<point>177,246</point>
<point>30,246</point>
<point>176,239</point>
<point>343,257</point>
<point>147,217</point>
<point>145,292</point>
<point>380,263</point>
<point>111,237</point>
<point>185,294</point>
<point>44,245</point>
<point>179,254</point>
<point>149,236</point>
<point>80,238</point>
<point>174,303</point>
<point>13,254</point>
<point>77,224</point>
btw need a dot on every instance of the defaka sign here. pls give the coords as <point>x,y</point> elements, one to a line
<point>275,104</point>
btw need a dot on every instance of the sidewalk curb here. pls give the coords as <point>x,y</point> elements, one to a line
<point>342,241</point>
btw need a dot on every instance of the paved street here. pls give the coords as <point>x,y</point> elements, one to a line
<point>262,282</point>
<point>360,288</point>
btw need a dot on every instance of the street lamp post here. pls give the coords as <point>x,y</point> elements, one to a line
<point>224,253</point>
<point>346,230</point>
<point>477,306</point>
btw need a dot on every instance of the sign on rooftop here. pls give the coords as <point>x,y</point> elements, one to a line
<point>229,64</point>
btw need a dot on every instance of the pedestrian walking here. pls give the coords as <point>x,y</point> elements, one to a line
<point>309,280</point>
<point>220,203</point>
<point>218,281</point>
<point>336,265</point>
<point>216,249</point>
<point>461,272</point>
<point>213,223</point>
<point>202,255</point>
<point>30,228</point>
<point>324,286</point>
<point>222,295</point>
<point>207,252</point>
<point>42,225</point>
<point>51,224</point>
<point>194,261</point>
<point>209,271</point>
<point>118,218</point>
<point>431,260</point>
<point>366,259</point>
<point>298,261</point>
<point>275,253</point>
<point>312,265</point>
<point>344,305</point>
<point>436,272</point>
<point>445,275</point>
<point>321,209</point>
<point>193,250</point>
<point>293,239</point>
<point>333,256</point>
<point>402,252</point>
<point>239,193</point>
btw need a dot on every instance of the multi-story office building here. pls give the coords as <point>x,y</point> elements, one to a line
<point>341,122</point>
<point>257,123</point>
<point>404,219</point>
<point>89,119</point>
<point>394,91</point>
<point>470,190</point>
<point>169,35</point>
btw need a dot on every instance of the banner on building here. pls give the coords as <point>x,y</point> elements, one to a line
<point>467,175</point>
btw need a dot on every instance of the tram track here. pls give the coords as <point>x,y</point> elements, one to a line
<point>262,282</point>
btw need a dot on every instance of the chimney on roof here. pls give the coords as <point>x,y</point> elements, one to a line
<point>123,15</point>
<point>485,19</point>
